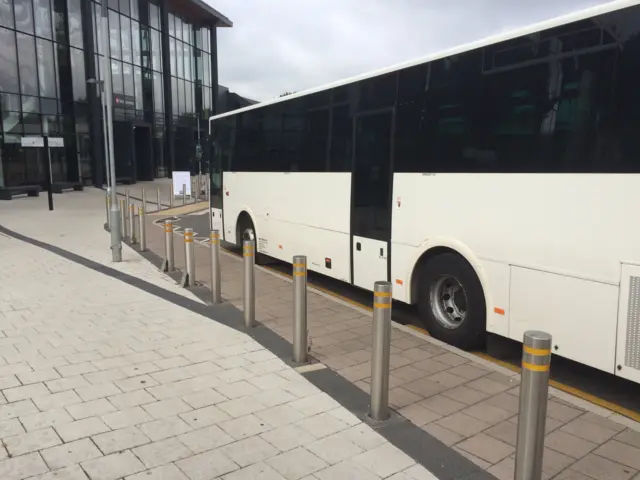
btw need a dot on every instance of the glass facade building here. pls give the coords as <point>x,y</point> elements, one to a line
<point>163,60</point>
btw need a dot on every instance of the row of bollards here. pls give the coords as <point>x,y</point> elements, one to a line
<point>536,354</point>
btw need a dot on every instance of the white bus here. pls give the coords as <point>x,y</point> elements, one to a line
<point>496,184</point>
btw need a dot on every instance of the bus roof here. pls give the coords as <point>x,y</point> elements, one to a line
<point>607,7</point>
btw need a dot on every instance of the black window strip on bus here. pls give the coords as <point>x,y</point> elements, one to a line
<point>563,100</point>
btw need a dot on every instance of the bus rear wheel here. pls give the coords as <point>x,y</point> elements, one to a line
<point>451,301</point>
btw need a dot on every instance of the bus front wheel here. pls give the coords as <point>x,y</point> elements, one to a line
<point>451,301</point>
<point>246,231</point>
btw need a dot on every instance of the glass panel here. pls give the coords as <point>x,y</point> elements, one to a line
<point>78,75</point>
<point>174,95</point>
<point>157,92</point>
<point>180,59</point>
<point>185,32</point>
<point>125,28</point>
<point>23,10</point>
<point>145,46</point>
<point>198,60</point>
<point>114,5</point>
<point>8,63</point>
<point>172,53</point>
<point>135,41</point>
<point>188,98</point>
<point>48,106</point>
<point>27,63</point>
<point>75,23</point>
<point>206,40</point>
<point>155,50</point>
<point>116,75</point>
<point>154,16</point>
<point>42,14</point>
<point>30,104</point>
<point>137,78</point>
<point>181,103</point>
<point>124,7</point>
<point>207,69</point>
<point>187,61</point>
<point>172,28</point>
<point>114,34</point>
<point>127,74</point>
<point>6,13</point>
<point>135,12</point>
<point>178,28</point>
<point>46,68</point>
<point>97,23</point>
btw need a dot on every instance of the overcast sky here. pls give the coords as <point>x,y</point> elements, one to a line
<point>290,45</point>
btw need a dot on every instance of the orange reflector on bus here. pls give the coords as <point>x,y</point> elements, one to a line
<point>499,311</point>
<point>399,282</point>
<point>280,247</point>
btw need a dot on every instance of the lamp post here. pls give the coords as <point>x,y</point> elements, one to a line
<point>107,94</point>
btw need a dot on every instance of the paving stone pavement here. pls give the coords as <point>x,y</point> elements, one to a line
<point>101,380</point>
<point>465,402</point>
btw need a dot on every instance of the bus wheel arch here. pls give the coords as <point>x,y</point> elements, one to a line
<point>451,297</point>
<point>245,228</point>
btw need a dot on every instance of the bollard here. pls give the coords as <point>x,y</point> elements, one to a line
<point>127,199</point>
<point>379,408</point>
<point>534,389</point>
<point>300,309</point>
<point>169,264</point>
<point>184,194</point>
<point>132,224</point>
<point>159,207</point>
<point>144,200</point>
<point>142,227</point>
<point>189,275</point>
<point>216,280</point>
<point>171,196</point>
<point>249,284</point>
<point>123,220</point>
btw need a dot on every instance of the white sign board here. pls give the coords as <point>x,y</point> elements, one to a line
<point>180,179</point>
<point>56,142</point>
<point>32,141</point>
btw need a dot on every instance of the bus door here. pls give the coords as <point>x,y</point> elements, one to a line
<point>371,198</point>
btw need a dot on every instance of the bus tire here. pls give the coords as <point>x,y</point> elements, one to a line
<point>246,231</point>
<point>451,301</point>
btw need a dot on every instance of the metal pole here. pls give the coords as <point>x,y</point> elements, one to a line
<point>107,202</point>
<point>249,289</point>
<point>132,224</point>
<point>184,194</point>
<point>144,200</point>
<point>189,276</point>
<point>534,389</point>
<point>208,190</point>
<point>196,196</point>
<point>300,309</point>
<point>158,200</point>
<point>171,195</point>
<point>169,264</point>
<point>379,408</point>
<point>116,237</point>
<point>143,229</point>
<point>216,280</point>
<point>127,200</point>
<point>123,220</point>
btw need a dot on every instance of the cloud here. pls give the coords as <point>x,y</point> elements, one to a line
<point>291,45</point>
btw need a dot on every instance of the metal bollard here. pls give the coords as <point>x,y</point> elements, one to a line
<point>184,194</point>
<point>189,275</point>
<point>123,220</point>
<point>216,280</point>
<point>127,199</point>
<point>171,196</point>
<point>144,200</point>
<point>143,229</point>
<point>380,354</point>
<point>158,205</point>
<point>249,283</point>
<point>300,309</point>
<point>132,224</point>
<point>534,389</point>
<point>169,264</point>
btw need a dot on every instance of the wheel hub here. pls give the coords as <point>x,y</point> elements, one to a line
<point>448,301</point>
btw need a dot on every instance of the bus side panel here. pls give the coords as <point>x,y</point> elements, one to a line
<point>580,315</point>
<point>295,213</point>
